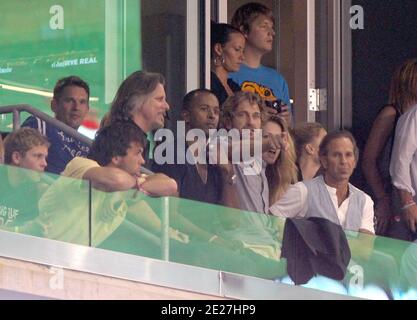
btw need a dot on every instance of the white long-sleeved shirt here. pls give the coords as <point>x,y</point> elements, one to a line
<point>294,205</point>
<point>403,165</point>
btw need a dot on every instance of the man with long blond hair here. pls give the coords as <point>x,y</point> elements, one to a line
<point>141,98</point>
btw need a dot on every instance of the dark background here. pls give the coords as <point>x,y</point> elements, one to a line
<point>389,37</point>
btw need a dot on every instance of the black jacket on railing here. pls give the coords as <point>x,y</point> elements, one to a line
<point>315,246</point>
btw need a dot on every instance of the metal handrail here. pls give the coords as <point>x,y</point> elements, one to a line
<point>17,109</point>
<point>163,274</point>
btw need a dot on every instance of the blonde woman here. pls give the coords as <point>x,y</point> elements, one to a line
<point>281,170</point>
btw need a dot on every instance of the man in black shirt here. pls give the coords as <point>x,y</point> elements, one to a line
<point>208,183</point>
<point>201,181</point>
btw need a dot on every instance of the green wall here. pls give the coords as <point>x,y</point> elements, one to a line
<point>97,40</point>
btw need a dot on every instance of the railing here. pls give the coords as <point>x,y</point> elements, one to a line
<point>192,233</point>
<point>17,109</point>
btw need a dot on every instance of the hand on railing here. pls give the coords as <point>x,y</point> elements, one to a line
<point>234,245</point>
<point>178,235</point>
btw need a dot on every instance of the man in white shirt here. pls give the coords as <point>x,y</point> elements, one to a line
<point>331,196</point>
<point>403,166</point>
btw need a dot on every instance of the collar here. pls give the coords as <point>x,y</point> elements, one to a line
<point>334,190</point>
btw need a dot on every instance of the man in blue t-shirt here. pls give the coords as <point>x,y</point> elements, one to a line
<point>256,21</point>
<point>70,105</point>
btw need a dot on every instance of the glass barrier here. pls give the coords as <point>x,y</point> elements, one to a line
<point>215,237</point>
<point>311,252</point>
<point>99,41</point>
<point>250,241</point>
<point>44,205</point>
<point>188,232</point>
<point>126,222</point>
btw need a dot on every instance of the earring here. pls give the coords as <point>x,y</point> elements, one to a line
<point>217,62</point>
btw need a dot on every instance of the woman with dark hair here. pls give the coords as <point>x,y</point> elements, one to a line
<point>375,164</point>
<point>227,46</point>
